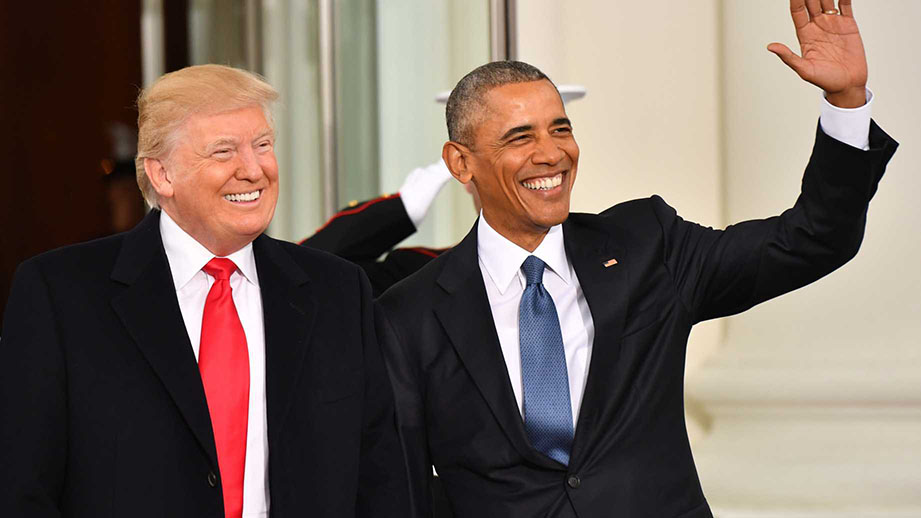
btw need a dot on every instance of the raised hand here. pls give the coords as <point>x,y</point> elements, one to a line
<point>832,51</point>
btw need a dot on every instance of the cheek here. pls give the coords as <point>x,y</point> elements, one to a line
<point>572,149</point>
<point>270,166</point>
<point>200,180</point>
<point>506,190</point>
<point>508,170</point>
<point>186,186</point>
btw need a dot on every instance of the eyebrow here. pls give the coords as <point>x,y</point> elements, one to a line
<point>230,141</point>
<point>561,121</point>
<point>517,129</point>
<point>528,127</point>
<point>269,132</point>
<point>224,141</point>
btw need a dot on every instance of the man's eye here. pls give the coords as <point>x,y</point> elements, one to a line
<point>563,130</point>
<point>222,152</point>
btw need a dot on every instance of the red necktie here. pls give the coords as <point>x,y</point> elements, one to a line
<point>224,365</point>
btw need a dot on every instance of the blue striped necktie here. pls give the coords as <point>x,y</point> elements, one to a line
<point>547,409</point>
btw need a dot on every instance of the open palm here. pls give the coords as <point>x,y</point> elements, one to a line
<point>833,57</point>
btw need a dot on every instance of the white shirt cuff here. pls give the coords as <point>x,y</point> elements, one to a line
<point>848,125</point>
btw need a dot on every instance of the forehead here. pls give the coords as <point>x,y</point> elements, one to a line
<point>523,103</point>
<point>240,122</point>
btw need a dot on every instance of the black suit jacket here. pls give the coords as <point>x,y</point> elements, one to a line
<point>364,232</point>
<point>103,411</point>
<point>630,455</point>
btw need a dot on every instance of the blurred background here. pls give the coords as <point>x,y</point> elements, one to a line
<point>807,406</point>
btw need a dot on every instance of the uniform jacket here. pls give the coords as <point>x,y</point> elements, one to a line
<point>364,232</point>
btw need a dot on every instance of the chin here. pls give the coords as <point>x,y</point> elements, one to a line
<point>249,231</point>
<point>556,214</point>
<point>545,221</point>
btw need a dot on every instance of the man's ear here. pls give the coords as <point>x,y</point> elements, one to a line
<point>457,158</point>
<point>159,177</point>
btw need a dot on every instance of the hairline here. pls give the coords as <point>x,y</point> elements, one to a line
<point>467,106</point>
<point>487,110</point>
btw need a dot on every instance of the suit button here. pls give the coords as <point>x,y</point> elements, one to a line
<point>212,479</point>
<point>573,481</point>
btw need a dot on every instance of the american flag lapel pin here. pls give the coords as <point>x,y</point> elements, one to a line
<point>610,262</point>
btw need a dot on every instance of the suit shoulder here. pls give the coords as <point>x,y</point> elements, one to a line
<point>332,279</point>
<point>634,217</point>
<point>325,270</point>
<point>315,258</point>
<point>638,208</point>
<point>82,259</point>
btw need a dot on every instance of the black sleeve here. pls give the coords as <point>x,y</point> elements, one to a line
<point>366,231</point>
<point>33,401</point>
<point>723,272</point>
<point>382,484</point>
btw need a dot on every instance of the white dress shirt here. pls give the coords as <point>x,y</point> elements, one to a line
<point>186,258</point>
<point>500,264</point>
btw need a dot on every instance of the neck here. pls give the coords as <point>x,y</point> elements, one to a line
<point>218,247</point>
<point>527,238</point>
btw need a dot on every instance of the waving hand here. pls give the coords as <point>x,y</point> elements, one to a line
<point>832,51</point>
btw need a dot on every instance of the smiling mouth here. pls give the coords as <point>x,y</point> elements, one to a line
<point>543,184</point>
<point>243,197</point>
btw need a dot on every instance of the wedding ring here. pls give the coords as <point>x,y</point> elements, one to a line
<point>830,11</point>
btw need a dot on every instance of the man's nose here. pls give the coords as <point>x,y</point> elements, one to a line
<point>248,167</point>
<point>548,151</point>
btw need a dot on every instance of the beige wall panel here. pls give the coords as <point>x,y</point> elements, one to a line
<point>814,396</point>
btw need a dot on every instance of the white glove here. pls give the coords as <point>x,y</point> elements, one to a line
<point>421,187</point>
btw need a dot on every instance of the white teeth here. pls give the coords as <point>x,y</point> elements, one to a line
<point>249,196</point>
<point>544,184</point>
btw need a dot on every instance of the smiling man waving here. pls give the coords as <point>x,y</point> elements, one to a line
<point>539,364</point>
<point>194,367</point>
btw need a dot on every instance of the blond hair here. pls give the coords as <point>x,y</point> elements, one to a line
<point>164,107</point>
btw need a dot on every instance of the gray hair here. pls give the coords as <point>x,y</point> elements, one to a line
<point>466,105</point>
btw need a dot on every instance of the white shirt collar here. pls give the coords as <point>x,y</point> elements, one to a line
<point>502,258</point>
<point>187,256</point>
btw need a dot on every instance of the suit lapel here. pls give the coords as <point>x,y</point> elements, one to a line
<point>289,310</point>
<point>150,311</point>
<point>463,310</point>
<point>605,291</point>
